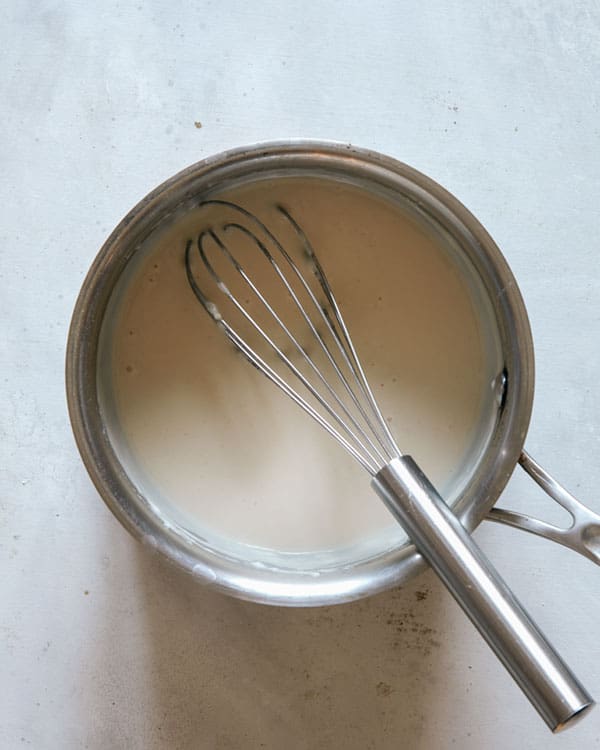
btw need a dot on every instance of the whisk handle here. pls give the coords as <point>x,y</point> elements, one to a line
<point>450,550</point>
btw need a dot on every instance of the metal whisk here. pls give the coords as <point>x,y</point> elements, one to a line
<point>291,329</point>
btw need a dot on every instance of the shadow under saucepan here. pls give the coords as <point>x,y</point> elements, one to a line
<point>156,660</point>
<point>232,674</point>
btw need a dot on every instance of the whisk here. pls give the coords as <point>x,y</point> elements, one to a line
<point>280,312</point>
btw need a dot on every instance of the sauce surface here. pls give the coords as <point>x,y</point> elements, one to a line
<point>226,454</point>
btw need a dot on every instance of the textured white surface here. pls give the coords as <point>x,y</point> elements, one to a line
<point>101,646</point>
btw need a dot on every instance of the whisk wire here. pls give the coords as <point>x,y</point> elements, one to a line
<point>257,361</point>
<point>277,349</point>
<point>371,444</point>
<point>355,365</point>
<point>299,348</point>
<point>342,339</point>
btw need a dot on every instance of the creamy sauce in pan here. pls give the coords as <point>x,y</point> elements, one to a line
<point>209,440</point>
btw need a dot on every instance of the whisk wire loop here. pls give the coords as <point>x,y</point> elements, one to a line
<point>364,433</point>
<point>314,330</point>
<point>345,341</point>
<point>270,341</point>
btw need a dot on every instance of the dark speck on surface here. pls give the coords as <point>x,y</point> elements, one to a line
<point>410,632</point>
<point>383,689</point>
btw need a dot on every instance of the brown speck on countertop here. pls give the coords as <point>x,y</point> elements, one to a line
<point>197,124</point>
<point>86,592</point>
<point>410,632</point>
<point>383,689</point>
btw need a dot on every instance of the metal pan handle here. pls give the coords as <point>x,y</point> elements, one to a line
<point>583,535</point>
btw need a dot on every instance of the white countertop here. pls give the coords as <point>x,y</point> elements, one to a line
<point>101,644</point>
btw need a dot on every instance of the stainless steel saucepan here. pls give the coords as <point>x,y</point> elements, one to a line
<point>298,580</point>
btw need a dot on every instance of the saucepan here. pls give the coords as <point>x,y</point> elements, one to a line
<point>331,577</point>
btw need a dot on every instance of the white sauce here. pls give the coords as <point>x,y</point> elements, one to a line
<point>229,456</point>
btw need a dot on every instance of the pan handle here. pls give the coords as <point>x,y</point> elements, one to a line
<point>583,535</point>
